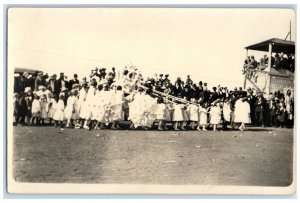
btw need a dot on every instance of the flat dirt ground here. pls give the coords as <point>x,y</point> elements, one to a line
<point>257,157</point>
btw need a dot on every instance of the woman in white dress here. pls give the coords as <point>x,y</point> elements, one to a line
<point>59,113</point>
<point>71,110</point>
<point>99,108</point>
<point>193,113</point>
<point>203,117</point>
<point>117,101</point>
<point>136,105</point>
<point>81,106</point>
<point>227,112</point>
<point>52,107</point>
<point>215,115</point>
<point>242,112</point>
<point>89,104</point>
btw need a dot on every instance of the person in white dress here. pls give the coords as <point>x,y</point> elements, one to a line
<point>161,113</point>
<point>99,108</point>
<point>203,117</point>
<point>36,109</point>
<point>81,106</point>
<point>106,105</point>
<point>117,101</point>
<point>136,105</point>
<point>52,108</point>
<point>242,112</point>
<point>180,115</point>
<point>71,110</point>
<point>44,108</point>
<point>227,112</point>
<point>149,110</point>
<point>59,113</point>
<point>193,113</point>
<point>215,115</point>
<point>89,104</point>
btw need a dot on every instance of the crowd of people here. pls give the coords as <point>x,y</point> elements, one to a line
<point>278,62</point>
<point>107,99</point>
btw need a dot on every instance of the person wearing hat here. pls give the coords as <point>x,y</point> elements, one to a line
<point>166,80</point>
<point>38,81</point>
<point>53,85</point>
<point>62,83</point>
<point>188,80</point>
<point>73,81</point>
<point>22,109</point>
<point>259,110</point>
<point>242,112</point>
<point>213,95</point>
<point>88,113</point>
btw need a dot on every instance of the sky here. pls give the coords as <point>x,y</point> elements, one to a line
<point>207,44</point>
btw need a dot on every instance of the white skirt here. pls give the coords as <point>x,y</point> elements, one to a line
<point>202,118</point>
<point>59,115</point>
<point>44,113</point>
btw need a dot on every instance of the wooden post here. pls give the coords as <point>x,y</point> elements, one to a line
<point>245,80</point>
<point>269,58</point>
<point>268,70</point>
<point>290,31</point>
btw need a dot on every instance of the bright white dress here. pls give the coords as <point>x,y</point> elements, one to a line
<point>193,112</point>
<point>215,115</point>
<point>180,113</point>
<point>70,107</point>
<point>44,109</point>
<point>106,106</point>
<point>81,106</point>
<point>59,113</point>
<point>98,109</point>
<point>135,108</point>
<point>161,111</point>
<point>227,112</point>
<point>142,110</point>
<point>169,111</point>
<point>202,116</point>
<point>116,102</point>
<point>36,108</point>
<point>89,104</point>
<point>52,107</point>
<point>242,111</point>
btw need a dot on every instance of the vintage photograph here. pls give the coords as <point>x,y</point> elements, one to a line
<point>151,100</point>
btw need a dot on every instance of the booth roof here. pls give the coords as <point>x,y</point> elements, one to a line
<point>278,46</point>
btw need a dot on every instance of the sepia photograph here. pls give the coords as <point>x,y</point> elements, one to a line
<point>114,100</point>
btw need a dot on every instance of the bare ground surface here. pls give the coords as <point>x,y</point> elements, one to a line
<point>258,157</point>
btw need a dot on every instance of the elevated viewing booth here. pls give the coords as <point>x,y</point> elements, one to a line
<point>271,76</point>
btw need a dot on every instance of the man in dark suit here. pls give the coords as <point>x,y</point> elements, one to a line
<point>73,81</point>
<point>53,85</point>
<point>259,110</point>
<point>62,82</point>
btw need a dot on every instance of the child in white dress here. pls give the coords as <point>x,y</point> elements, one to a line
<point>161,113</point>
<point>36,109</point>
<point>52,108</point>
<point>202,117</point>
<point>70,109</point>
<point>179,115</point>
<point>193,113</point>
<point>44,108</point>
<point>215,113</point>
<point>59,113</point>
